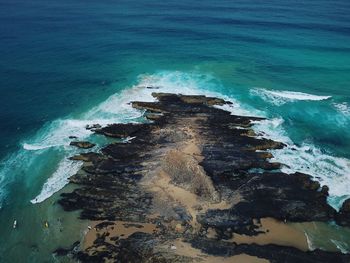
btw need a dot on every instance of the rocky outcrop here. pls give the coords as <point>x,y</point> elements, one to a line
<point>343,217</point>
<point>119,130</point>
<point>82,144</point>
<point>196,176</point>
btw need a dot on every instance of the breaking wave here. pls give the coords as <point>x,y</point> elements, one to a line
<point>307,158</point>
<point>279,97</point>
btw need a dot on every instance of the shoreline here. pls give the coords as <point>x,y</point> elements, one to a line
<point>187,177</point>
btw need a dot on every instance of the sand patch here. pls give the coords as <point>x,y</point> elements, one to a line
<point>276,232</point>
<point>185,171</point>
<point>168,196</point>
<point>116,229</point>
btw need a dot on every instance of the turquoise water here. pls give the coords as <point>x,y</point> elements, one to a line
<point>65,64</point>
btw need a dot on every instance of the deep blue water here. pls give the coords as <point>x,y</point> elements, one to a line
<point>60,61</point>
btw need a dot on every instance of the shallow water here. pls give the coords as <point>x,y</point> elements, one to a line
<point>67,64</point>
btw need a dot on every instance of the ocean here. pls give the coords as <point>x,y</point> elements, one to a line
<point>67,64</point>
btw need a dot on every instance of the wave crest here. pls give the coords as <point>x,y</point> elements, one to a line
<point>58,180</point>
<point>279,97</point>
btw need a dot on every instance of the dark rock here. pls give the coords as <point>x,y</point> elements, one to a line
<point>151,87</point>
<point>87,157</point>
<point>82,144</point>
<point>67,251</point>
<point>325,190</point>
<point>93,126</point>
<point>343,217</point>
<point>120,130</point>
<point>273,253</point>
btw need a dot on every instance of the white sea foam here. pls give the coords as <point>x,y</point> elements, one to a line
<point>129,139</point>
<point>309,243</point>
<point>58,180</point>
<point>279,97</point>
<point>272,129</point>
<point>34,147</point>
<point>342,246</point>
<point>57,133</point>
<point>307,158</point>
<point>10,168</point>
<point>342,107</point>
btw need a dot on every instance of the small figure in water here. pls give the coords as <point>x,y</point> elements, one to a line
<point>46,224</point>
<point>15,224</point>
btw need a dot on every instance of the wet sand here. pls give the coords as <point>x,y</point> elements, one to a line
<point>116,229</point>
<point>183,248</point>
<point>276,232</point>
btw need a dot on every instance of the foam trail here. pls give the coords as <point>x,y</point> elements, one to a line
<point>272,129</point>
<point>343,108</point>
<point>13,166</point>
<point>58,180</point>
<point>279,97</point>
<point>309,243</point>
<point>34,147</point>
<point>340,245</point>
<point>57,133</point>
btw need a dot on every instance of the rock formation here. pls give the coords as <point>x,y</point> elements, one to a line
<point>192,178</point>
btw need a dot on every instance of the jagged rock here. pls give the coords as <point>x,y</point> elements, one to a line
<point>82,144</point>
<point>343,217</point>
<point>121,130</point>
<point>190,99</point>
<point>93,126</point>
<point>87,157</point>
<point>67,251</point>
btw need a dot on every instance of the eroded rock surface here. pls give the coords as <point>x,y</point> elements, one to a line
<point>191,179</point>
